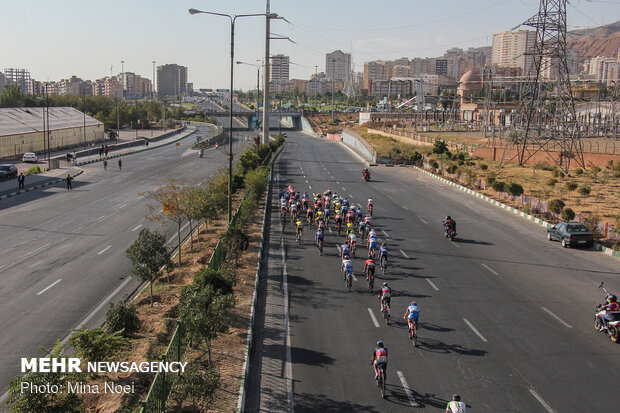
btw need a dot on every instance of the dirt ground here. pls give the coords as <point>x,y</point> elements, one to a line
<point>158,323</point>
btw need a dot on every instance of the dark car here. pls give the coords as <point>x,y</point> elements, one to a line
<point>570,233</point>
<point>7,171</point>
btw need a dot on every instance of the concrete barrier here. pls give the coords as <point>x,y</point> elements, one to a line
<point>359,144</point>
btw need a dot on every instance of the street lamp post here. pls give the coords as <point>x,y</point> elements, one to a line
<point>232,65</point>
<point>257,84</point>
<point>46,113</point>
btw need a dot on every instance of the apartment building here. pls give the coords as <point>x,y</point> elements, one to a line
<point>338,65</point>
<point>279,69</point>
<point>171,80</point>
<point>509,49</point>
<point>19,77</point>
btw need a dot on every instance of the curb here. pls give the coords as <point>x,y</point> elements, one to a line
<point>539,221</point>
<point>32,188</point>
<point>250,336</point>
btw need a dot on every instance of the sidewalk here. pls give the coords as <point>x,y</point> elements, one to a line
<point>9,187</point>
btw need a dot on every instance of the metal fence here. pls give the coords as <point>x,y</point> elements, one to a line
<point>159,392</point>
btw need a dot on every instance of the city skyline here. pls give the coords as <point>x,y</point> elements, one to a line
<point>73,45</point>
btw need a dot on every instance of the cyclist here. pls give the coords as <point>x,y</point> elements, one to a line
<point>300,229</point>
<point>349,228</point>
<point>383,254</point>
<point>327,213</point>
<point>370,204</point>
<point>372,245</point>
<point>310,215</point>
<point>318,237</point>
<point>456,405</point>
<point>293,211</point>
<point>345,202</point>
<point>379,358</point>
<point>347,267</point>
<point>283,207</point>
<point>338,220</point>
<point>362,229</point>
<point>319,216</point>
<point>350,216</point>
<point>412,315</point>
<point>344,250</point>
<point>386,294</point>
<point>359,212</point>
<point>371,234</point>
<point>368,221</point>
<point>321,225</point>
<point>369,268</point>
<point>352,242</point>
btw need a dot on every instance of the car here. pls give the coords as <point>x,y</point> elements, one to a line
<point>570,234</point>
<point>30,157</point>
<point>7,171</point>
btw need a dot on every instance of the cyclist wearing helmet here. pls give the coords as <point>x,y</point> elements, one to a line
<point>456,405</point>
<point>347,266</point>
<point>344,250</point>
<point>379,357</point>
<point>383,251</point>
<point>369,267</point>
<point>412,314</point>
<point>386,294</point>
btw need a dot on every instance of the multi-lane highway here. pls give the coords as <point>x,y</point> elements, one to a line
<point>507,317</point>
<point>63,252</point>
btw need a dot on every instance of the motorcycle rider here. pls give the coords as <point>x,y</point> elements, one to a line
<point>379,357</point>
<point>608,311</point>
<point>450,224</point>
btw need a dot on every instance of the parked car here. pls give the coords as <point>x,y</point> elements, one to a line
<point>30,157</point>
<point>570,234</point>
<point>7,171</point>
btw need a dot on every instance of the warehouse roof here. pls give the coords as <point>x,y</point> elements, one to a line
<point>14,121</point>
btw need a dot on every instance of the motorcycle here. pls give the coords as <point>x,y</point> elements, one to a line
<point>612,329</point>
<point>450,232</point>
<point>367,176</point>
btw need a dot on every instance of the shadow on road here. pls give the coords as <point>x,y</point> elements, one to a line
<point>313,403</point>
<point>310,357</point>
<point>436,346</point>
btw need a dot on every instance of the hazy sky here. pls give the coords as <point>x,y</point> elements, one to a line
<point>60,38</point>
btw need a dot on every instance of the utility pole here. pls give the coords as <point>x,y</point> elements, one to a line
<point>265,140</point>
<point>153,85</point>
<point>123,79</point>
<point>84,111</point>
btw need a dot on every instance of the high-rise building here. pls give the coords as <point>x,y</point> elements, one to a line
<point>279,68</point>
<point>509,49</point>
<point>338,65</point>
<point>19,77</point>
<point>171,80</point>
<point>2,81</point>
<point>72,86</point>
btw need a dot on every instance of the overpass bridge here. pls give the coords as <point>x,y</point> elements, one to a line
<point>251,116</point>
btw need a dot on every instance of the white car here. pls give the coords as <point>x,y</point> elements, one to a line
<point>30,157</point>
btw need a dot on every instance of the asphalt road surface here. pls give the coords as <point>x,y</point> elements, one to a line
<point>63,252</point>
<point>506,316</point>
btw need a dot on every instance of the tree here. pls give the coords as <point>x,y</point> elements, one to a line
<point>235,241</point>
<point>148,254</point>
<point>570,186</point>
<point>205,313</point>
<point>97,344</point>
<point>192,201</point>
<point>499,186</point>
<point>12,96</point>
<point>440,147</point>
<point>556,205</point>
<point>584,190</point>
<point>170,198</point>
<point>197,384</point>
<point>247,161</point>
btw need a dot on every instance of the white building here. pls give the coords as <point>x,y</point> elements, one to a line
<point>509,49</point>
<point>338,66</point>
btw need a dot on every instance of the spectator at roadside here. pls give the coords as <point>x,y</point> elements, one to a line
<point>21,180</point>
<point>68,179</point>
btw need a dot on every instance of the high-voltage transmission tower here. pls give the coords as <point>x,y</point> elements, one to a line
<point>548,121</point>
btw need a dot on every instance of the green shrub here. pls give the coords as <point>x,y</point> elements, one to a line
<point>415,157</point>
<point>434,164</point>
<point>551,182</point>
<point>440,147</point>
<point>97,344</point>
<point>484,166</point>
<point>452,169</point>
<point>122,317</point>
<point>568,214</point>
<point>556,205</point>
<point>216,279</point>
<point>450,155</point>
<point>499,186</point>
<point>514,189</point>
<point>34,170</point>
<point>578,171</point>
<point>197,384</point>
<point>592,224</point>
<point>570,186</point>
<point>584,190</point>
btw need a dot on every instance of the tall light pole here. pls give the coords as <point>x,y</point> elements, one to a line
<point>123,79</point>
<point>257,84</point>
<point>46,113</point>
<point>232,65</point>
<point>333,86</point>
<point>153,85</point>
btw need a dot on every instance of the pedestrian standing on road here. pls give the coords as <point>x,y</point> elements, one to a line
<point>456,405</point>
<point>101,151</point>
<point>68,179</point>
<point>105,164</point>
<point>20,180</point>
<point>120,164</point>
<point>106,150</point>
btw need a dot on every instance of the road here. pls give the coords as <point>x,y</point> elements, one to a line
<point>507,317</point>
<point>64,251</point>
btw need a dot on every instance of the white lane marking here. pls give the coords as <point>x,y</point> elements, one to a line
<point>35,250</point>
<point>385,233</point>
<point>354,277</point>
<point>475,330</point>
<point>422,219</point>
<point>309,187</point>
<point>333,177</point>
<point>542,401</point>
<point>306,180</point>
<point>404,255</point>
<point>432,284</point>
<point>456,245</point>
<point>102,217</point>
<point>556,317</point>
<point>337,183</point>
<point>122,206</point>
<point>406,208</point>
<point>60,247</point>
<point>96,310</point>
<point>176,235</point>
<point>374,319</point>
<point>140,197</point>
<point>49,286</point>
<point>136,228</point>
<point>104,250</point>
<point>490,269</point>
<point>412,401</point>
<point>329,228</point>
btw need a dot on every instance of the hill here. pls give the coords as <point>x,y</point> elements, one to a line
<point>598,41</point>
